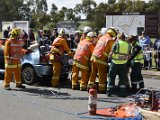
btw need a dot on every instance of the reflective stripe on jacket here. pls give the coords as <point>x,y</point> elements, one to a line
<point>95,59</point>
<point>120,56</point>
<point>12,66</point>
<point>16,50</point>
<point>80,65</point>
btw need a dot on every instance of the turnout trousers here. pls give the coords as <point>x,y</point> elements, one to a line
<point>56,73</point>
<point>16,72</point>
<point>102,75</point>
<point>84,77</point>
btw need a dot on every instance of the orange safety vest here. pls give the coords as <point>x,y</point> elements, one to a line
<point>82,53</point>
<point>100,46</point>
<point>16,50</point>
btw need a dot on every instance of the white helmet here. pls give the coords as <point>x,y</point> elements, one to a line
<point>91,34</point>
<point>62,31</point>
<point>87,29</point>
<point>103,31</point>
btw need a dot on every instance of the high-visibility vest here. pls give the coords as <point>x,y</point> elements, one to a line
<point>16,50</point>
<point>82,53</point>
<point>120,56</point>
<point>139,57</point>
<point>100,47</point>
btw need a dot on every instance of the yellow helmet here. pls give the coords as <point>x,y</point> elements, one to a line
<point>112,32</point>
<point>15,32</point>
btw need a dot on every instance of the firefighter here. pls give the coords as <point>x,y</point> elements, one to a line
<point>120,55</point>
<point>12,55</point>
<point>59,46</point>
<point>81,61</point>
<point>99,59</point>
<point>86,30</point>
<point>137,61</point>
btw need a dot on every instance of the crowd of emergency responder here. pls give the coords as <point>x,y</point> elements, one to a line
<point>103,54</point>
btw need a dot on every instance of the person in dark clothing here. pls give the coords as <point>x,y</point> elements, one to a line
<point>136,60</point>
<point>53,36</point>
<point>6,32</point>
<point>77,37</point>
<point>31,36</point>
<point>156,46</point>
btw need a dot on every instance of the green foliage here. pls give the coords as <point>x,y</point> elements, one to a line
<point>111,1</point>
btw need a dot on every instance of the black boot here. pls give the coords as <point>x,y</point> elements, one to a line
<point>20,86</point>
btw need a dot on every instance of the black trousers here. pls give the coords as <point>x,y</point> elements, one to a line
<point>136,76</point>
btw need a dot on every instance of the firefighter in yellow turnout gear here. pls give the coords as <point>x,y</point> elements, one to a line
<point>12,55</point>
<point>81,61</point>
<point>59,46</point>
<point>99,59</point>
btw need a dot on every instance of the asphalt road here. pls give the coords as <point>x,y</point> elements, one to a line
<point>47,103</point>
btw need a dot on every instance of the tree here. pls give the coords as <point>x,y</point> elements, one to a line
<point>41,6</point>
<point>88,8</point>
<point>99,16</point>
<point>111,1</point>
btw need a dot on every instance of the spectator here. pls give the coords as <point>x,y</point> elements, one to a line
<point>145,43</point>
<point>31,36</point>
<point>53,36</point>
<point>39,35</point>
<point>6,32</point>
<point>70,41</point>
<point>76,38</point>
<point>24,35</point>
<point>156,46</point>
<point>25,41</point>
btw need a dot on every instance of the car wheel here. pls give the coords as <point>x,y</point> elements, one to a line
<point>29,75</point>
